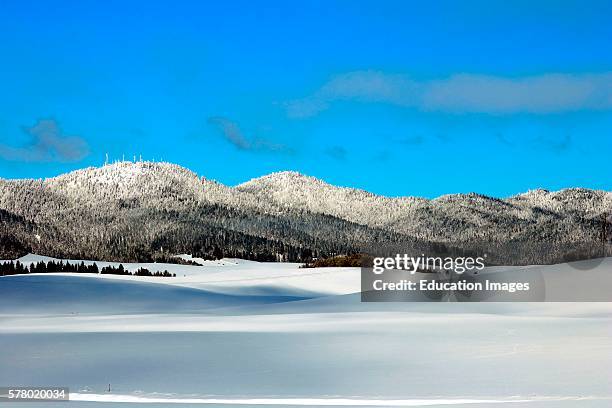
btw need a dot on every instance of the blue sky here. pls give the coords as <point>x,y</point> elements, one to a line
<point>398,98</point>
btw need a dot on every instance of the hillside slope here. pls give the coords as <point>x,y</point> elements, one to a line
<point>150,211</point>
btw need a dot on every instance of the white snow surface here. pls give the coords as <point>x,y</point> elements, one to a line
<point>236,332</point>
<point>236,276</point>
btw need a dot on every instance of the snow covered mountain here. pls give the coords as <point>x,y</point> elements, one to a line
<point>143,211</point>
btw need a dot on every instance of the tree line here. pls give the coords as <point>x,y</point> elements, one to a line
<point>18,268</point>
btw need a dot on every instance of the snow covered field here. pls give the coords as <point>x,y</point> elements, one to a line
<point>242,333</point>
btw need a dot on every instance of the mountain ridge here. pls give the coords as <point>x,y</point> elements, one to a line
<point>287,215</point>
<point>288,174</point>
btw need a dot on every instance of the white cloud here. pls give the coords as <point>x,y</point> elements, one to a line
<point>471,93</point>
<point>47,144</point>
<point>232,133</point>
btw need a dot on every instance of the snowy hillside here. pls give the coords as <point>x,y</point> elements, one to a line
<point>452,217</point>
<point>143,211</point>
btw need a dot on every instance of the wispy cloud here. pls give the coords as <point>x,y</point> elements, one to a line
<point>232,133</point>
<point>47,144</point>
<point>337,152</point>
<point>469,93</point>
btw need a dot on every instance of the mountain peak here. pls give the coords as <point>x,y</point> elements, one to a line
<point>279,178</point>
<point>124,171</point>
<point>121,180</point>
